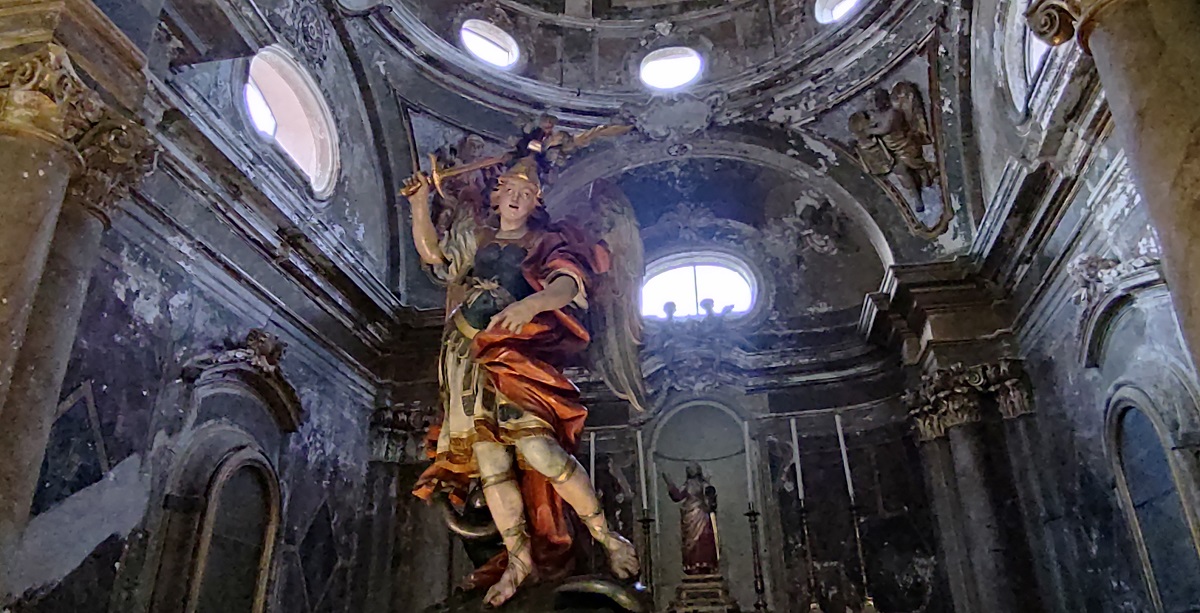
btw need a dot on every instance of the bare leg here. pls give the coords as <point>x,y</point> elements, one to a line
<point>571,482</point>
<point>508,511</point>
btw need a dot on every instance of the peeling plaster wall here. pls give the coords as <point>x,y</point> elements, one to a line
<point>356,222</point>
<point>1092,548</point>
<point>96,532</point>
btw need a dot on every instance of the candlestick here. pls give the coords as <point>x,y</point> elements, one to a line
<point>749,463</point>
<point>796,460</point>
<point>837,417</point>
<point>592,457</point>
<point>641,450</point>
<point>760,584</point>
<point>854,515</point>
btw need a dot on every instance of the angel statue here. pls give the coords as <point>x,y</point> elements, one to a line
<point>891,136</point>
<point>525,295</point>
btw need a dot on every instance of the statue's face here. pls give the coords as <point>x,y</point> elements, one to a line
<point>515,199</point>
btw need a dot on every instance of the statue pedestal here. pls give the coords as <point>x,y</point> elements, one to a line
<point>703,594</point>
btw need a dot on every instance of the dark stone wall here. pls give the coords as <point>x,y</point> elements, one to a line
<point>1090,540</point>
<point>95,538</point>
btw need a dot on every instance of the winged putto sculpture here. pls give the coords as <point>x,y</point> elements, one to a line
<point>525,295</point>
<point>890,136</point>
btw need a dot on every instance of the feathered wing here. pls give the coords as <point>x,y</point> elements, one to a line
<point>906,97</point>
<point>614,316</point>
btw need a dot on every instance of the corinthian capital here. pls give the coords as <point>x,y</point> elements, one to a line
<point>947,397</point>
<point>41,91</point>
<point>1059,21</point>
<point>117,153</point>
<point>1007,381</point>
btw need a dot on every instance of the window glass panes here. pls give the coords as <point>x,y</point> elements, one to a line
<point>689,285</point>
<point>1156,502</point>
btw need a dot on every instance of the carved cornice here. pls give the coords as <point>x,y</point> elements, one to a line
<point>921,306</point>
<point>398,432</point>
<point>254,362</point>
<point>1059,21</point>
<point>953,396</point>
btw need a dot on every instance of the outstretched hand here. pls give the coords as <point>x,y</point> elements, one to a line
<point>514,316</point>
<point>416,188</point>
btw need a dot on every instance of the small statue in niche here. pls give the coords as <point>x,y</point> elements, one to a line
<point>890,138</point>
<point>697,522</point>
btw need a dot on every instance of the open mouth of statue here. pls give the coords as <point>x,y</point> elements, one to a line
<point>512,207</point>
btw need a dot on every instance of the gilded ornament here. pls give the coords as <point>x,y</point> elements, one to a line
<point>41,91</point>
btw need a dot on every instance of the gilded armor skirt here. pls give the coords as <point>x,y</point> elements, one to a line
<point>474,410</point>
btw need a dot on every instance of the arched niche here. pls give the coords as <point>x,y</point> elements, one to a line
<point>709,432</point>
<point>1157,488</point>
<point>219,527</point>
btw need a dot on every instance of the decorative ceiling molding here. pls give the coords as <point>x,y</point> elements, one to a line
<point>811,74</point>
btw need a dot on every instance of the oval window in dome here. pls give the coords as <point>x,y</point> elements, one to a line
<point>671,67</point>
<point>489,43</point>
<point>832,11</point>
<point>286,106</point>
<point>690,281</point>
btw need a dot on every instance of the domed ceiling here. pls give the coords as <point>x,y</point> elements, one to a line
<point>581,57</point>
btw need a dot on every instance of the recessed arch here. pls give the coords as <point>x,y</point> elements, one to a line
<point>1153,482</point>
<point>885,228</point>
<point>211,457</point>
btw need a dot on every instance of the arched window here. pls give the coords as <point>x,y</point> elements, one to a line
<point>832,11</point>
<point>489,43</point>
<point>671,67</point>
<point>234,553</point>
<point>1156,512</point>
<point>689,280</point>
<point>1036,51</point>
<point>286,106</point>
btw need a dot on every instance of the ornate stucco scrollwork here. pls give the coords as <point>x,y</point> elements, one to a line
<point>1058,21</point>
<point>254,362</point>
<point>1053,21</point>
<point>41,91</point>
<point>117,153</point>
<point>1008,383</point>
<point>947,398</point>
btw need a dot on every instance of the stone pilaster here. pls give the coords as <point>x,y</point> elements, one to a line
<point>949,406</point>
<point>938,465</point>
<point>1145,54</point>
<point>1010,387</point>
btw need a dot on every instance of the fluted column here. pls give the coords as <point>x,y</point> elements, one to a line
<point>1146,53</point>
<point>947,508</point>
